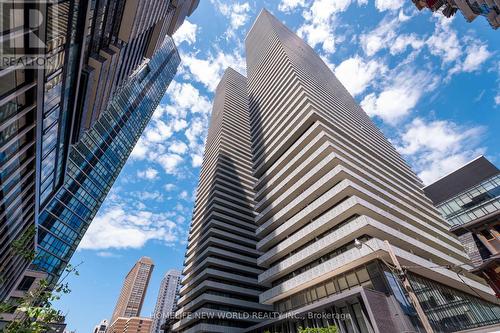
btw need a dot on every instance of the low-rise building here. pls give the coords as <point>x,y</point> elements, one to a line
<point>129,325</point>
<point>469,199</point>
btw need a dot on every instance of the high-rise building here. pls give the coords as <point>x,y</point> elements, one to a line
<point>134,290</point>
<point>97,159</point>
<point>40,43</point>
<point>221,272</point>
<point>61,65</point>
<point>166,302</point>
<point>102,327</point>
<point>490,9</point>
<point>120,35</point>
<point>328,190</point>
<point>469,200</point>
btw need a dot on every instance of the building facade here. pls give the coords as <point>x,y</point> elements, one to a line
<point>134,290</point>
<point>102,327</point>
<point>469,200</point>
<point>470,9</point>
<point>221,272</point>
<point>28,282</point>
<point>97,159</point>
<point>166,303</point>
<point>131,325</point>
<point>62,65</point>
<point>325,180</point>
<point>37,92</point>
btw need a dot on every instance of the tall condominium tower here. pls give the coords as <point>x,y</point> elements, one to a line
<point>329,189</point>
<point>62,64</point>
<point>134,289</point>
<point>221,273</point>
<point>166,302</point>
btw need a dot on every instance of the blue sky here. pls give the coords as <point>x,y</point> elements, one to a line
<point>431,84</point>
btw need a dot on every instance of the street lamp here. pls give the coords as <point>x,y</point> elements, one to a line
<point>401,274</point>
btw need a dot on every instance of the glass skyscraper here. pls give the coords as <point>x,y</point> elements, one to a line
<point>61,64</point>
<point>97,159</point>
<point>38,79</point>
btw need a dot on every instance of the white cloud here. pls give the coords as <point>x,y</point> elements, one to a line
<point>497,99</point>
<point>237,13</point>
<point>185,103</point>
<point>290,5</point>
<point>140,150</point>
<point>356,73</point>
<point>186,98</point>
<point>196,135</point>
<point>320,21</point>
<point>184,195</point>
<point>144,195</point>
<point>186,33</point>
<point>169,187</point>
<point>438,147</point>
<point>381,37</point>
<point>159,132</point>
<point>209,71</point>
<point>444,43</point>
<point>178,147</point>
<point>383,5</point>
<point>170,163</point>
<point>476,54</point>
<point>108,254</point>
<point>399,97</point>
<point>117,228</point>
<point>401,43</point>
<point>149,173</point>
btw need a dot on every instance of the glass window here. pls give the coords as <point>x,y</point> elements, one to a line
<point>48,164</point>
<point>12,17</point>
<point>352,280</point>
<point>12,130</point>
<point>12,80</point>
<point>362,275</point>
<point>330,287</point>
<point>487,234</point>
<point>321,291</point>
<point>313,296</point>
<point>342,283</point>
<point>26,283</point>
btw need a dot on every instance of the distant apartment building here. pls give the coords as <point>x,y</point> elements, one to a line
<point>489,9</point>
<point>469,199</point>
<point>102,327</point>
<point>62,65</point>
<point>134,290</point>
<point>298,192</point>
<point>166,303</point>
